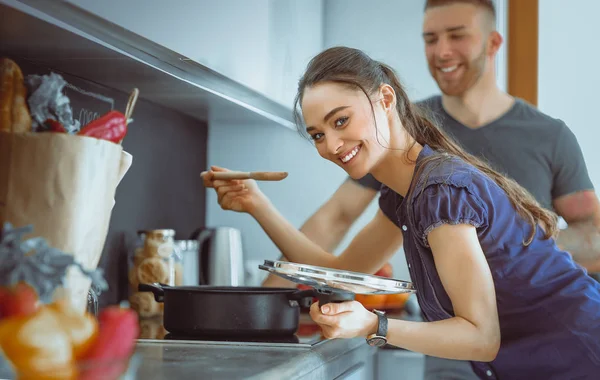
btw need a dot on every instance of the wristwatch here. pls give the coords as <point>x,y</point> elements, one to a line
<point>379,338</point>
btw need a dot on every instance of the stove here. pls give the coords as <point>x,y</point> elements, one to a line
<point>307,336</point>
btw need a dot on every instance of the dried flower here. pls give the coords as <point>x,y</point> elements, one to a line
<point>33,261</point>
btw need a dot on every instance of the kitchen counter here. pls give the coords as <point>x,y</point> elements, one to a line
<point>330,359</point>
<point>340,359</point>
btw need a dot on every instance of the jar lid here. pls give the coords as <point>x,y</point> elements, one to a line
<point>187,245</point>
<point>158,232</point>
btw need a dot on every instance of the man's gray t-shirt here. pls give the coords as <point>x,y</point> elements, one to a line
<point>539,152</point>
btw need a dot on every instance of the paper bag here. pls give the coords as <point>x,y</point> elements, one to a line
<point>64,185</point>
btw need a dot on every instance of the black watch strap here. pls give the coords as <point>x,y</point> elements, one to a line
<point>382,323</point>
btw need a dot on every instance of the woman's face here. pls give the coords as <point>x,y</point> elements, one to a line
<point>340,121</point>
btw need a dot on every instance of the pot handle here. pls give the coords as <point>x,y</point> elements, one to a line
<point>324,296</point>
<point>327,296</point>
<point>300,294</point>
<point>156,288</point>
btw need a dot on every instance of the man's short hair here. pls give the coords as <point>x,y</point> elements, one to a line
<point>488,5</point>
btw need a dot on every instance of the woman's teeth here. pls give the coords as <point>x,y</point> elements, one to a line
<point>350,155</point>
<point>449,69</point>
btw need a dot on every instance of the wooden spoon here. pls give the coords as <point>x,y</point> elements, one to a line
<point>259,176</point>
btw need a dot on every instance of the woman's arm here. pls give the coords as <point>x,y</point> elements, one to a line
<point>367,252</point>
<point>474,332</point>
<point>332,221</point>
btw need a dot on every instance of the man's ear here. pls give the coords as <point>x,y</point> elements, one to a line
<point>495,41</point>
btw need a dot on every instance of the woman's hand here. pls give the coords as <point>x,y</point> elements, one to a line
<point>235,195</point>
<point>344,320</point>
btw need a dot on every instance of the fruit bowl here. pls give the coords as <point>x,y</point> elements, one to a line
<point>43,335</point>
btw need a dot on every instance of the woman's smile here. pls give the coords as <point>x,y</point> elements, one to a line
<point>348,156</point>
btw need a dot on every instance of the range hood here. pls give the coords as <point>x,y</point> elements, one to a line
<point>68,39</point>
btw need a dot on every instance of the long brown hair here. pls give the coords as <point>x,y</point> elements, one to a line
<point>354,68</point>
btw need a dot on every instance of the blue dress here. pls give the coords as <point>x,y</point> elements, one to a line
<point>549,309</point>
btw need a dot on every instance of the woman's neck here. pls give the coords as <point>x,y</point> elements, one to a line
<point>395,170</point>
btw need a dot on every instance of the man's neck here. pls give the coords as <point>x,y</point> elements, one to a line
<point>478,106</point>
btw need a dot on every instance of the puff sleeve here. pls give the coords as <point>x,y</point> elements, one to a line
<point>445,203</point>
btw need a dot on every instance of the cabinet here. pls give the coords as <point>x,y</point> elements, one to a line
<point>122,51</point>
<point>363,371</point>
<point>385,364</point>
<point>399,364</point>
<point>228,36</point>
<point>262,44</point>
<point>357,364</point>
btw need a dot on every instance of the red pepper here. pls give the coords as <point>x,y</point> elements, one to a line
<point>55,126</point>
<point>108,357</point>
<point>112,126</point>
<point>18,300</point>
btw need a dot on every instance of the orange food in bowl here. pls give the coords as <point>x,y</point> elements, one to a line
<point>38,346</point>
<point>383,301</point>
<point>81,329</point>
<point>396,301</point>
<point>372,301</point>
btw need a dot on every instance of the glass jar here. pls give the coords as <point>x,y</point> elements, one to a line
<point>185,261</point>
<point>152,260</point>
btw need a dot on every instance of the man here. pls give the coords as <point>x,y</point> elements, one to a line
<point>539,152</point>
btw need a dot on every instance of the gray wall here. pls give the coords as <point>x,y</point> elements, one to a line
<point>387,30</point>
<point>566,90</point>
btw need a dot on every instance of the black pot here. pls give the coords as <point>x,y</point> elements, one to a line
<point>234,311</point>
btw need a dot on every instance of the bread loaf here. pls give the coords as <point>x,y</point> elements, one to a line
<point>14,114</point>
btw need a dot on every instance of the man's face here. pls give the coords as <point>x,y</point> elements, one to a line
<point>456,46</point>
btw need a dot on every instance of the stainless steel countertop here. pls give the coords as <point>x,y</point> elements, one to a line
<point>326,360</point>
<point>170,359</point>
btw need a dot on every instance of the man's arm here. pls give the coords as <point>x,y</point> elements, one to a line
<point>581,238</point>
<point>575,200</point>
<point>328,226</point>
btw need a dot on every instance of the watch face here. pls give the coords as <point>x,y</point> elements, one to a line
<point>377,341</point>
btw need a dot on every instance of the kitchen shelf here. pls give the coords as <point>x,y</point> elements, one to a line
<point>66,38</point>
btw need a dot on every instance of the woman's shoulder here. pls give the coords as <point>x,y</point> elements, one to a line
<point>449,175</point>
<point>446,191</point>
<point>446,169</point>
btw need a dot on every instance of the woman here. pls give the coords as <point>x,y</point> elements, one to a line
<point>491,282</point>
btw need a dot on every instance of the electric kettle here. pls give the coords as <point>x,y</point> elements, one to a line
<point>219,260</point>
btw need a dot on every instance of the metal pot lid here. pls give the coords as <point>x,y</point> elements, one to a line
<point>331,279</point>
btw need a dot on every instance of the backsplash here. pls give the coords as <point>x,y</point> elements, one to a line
<point>162,189</point>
